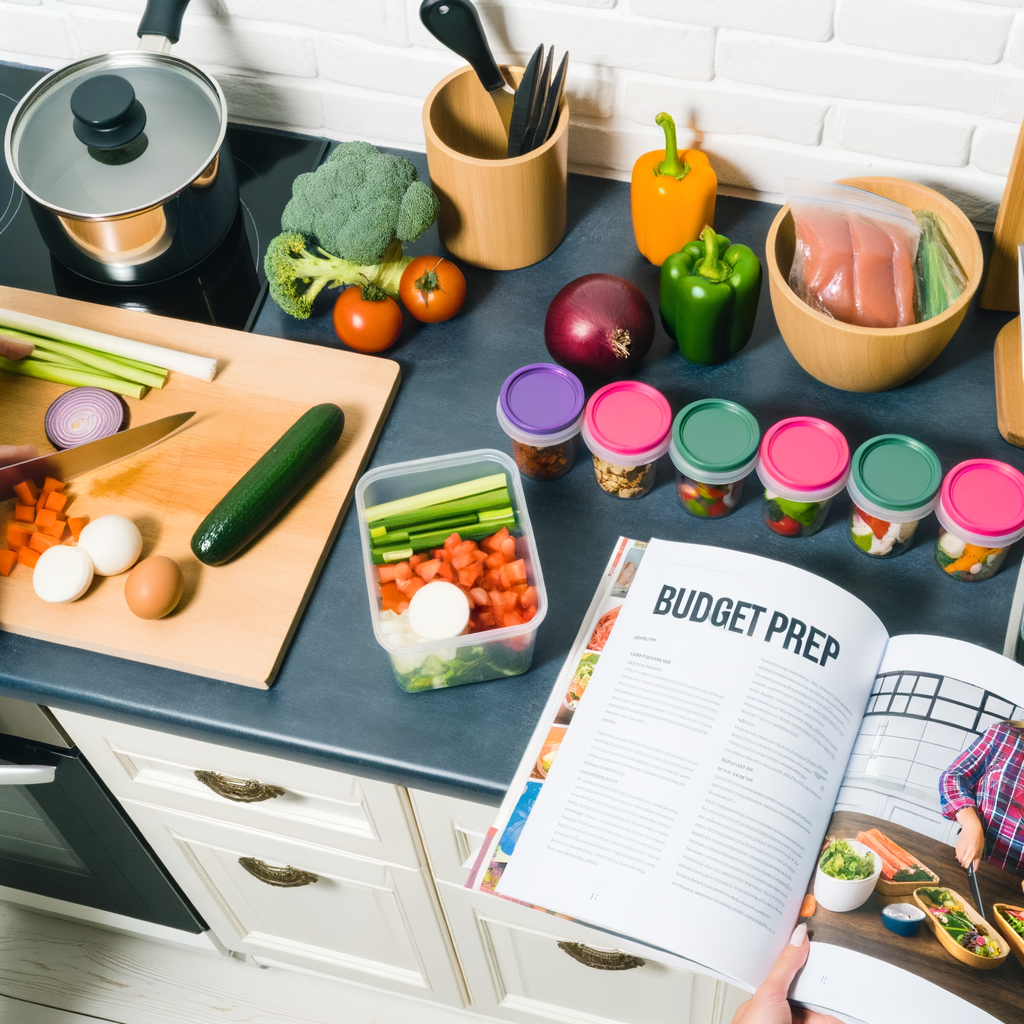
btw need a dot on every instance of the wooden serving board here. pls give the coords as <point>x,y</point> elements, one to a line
<point>234,621</point>
<point>1009,383</point>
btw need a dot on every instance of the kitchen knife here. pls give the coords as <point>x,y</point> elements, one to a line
<point>526,103</point>
<point>84,458</point>
<point>537,103</point>
<point>976,891</point>
<point>552,105</point>
<point>457,24</point>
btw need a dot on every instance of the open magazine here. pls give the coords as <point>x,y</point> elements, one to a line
<point>730,734</point>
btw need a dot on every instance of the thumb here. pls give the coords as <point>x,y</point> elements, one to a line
<point>791,959</point>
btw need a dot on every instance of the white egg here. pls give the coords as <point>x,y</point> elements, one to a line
<point>438,611</point>
<point>113,543</point>
<point>62,574</point>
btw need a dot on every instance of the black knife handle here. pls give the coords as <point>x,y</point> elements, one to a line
<point>163,18</point>
<point>457,24</point>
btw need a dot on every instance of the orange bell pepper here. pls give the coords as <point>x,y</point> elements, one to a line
<point>672,194</point>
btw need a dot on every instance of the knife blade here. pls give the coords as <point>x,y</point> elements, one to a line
<point>976,891</point>
<point>456,23</point>
<point>537,106</point>
<point>525,104</point>
<point>552,105</point>
<point>84,458</point>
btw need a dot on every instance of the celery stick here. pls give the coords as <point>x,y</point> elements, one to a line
<point>422,541</point>
<point>31,367</point>
<point>474,503</point>
<point>101,362</point>
<point>439,502</point>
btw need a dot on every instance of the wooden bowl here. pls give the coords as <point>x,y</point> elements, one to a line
<point>494,212</point>
<point>985,963</point>
<point>896,892</point>
<point>1015,942</point>
<point>855,358</point>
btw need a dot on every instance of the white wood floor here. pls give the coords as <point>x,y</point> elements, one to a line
<point>54,971</point>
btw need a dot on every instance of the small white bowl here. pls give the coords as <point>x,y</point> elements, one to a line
<point>839,894</point>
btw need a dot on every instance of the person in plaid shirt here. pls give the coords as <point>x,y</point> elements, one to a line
<point>983,789</point>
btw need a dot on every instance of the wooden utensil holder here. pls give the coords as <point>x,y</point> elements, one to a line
<point>496,213</point>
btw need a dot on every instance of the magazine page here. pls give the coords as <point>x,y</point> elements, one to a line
<point>691,793</point>
<point>937,746</point>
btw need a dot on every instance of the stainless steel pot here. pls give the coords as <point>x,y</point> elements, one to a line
<point>124,161</point>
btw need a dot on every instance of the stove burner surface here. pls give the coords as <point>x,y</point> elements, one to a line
<point>226,289</point>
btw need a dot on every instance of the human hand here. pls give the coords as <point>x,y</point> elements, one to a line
<point>769,1004</point>
<point>11,453</point>
<point>970,844</point>
<point>12,348</point>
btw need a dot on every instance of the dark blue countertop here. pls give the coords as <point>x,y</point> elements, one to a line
<point>335,702</point>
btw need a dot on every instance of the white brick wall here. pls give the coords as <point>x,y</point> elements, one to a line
<point>931,90</point>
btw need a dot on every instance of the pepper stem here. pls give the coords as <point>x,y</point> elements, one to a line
<point>711,267</point>
<point>671,166</point>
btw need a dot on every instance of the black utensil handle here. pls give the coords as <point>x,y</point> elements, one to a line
<point>163,18</point>
<point>457,24</point>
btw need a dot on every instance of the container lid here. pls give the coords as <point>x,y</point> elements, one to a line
<point>115,134</point>
<point>628,421</point>
<point>804,458</point>
<point>542,399</point>
<point>895,474</point>
<point>984,498</point>
<point>714,441</point>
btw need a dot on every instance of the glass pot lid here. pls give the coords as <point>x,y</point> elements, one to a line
<point>115,133</point>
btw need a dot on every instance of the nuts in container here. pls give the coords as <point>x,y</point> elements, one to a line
<point>540,407</point>
<point>627,428</point>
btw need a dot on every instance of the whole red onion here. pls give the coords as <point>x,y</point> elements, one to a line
<point>599,326</point>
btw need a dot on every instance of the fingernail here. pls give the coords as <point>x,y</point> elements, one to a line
<point>799,935</point>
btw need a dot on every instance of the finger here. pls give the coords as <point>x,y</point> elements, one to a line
<point>790,960</point>
<point>15,348</point>
<point>10,454</point>
<point>801,1015</point>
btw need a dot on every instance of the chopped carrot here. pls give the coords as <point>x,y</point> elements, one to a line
<point>493,542</point>
<point>392,599</point>
<point>17,536</point>
<point>508,548</point>
<point>386,573</point>
<point>56,501</point>
<point>470,574</point>
<point>41,541</point>
<point>451,541</point>
<point>7,562</point>
<point>528,597</point>
<point>27,493</point>
<point>28,556</point>
<point>52,484</point>
<point>77,524</point>
<point>480,596</point>
<point>403,571</point>
<point>57,530</point>
<point>446,572</point>
<point>415,560</point>
<point>495,559</point>
<point>429,569</point>
<point>24,514</point>
<point>45,517</point>
<point>41,500</point>
<point>410,586</point>
<point>512,618</point>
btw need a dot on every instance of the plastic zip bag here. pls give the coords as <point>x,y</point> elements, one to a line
<point>855,254</point>
<point>940,277</point>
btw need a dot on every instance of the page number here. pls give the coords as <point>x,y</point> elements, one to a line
<point>593,895</point>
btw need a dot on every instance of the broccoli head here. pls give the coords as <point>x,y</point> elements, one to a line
<point>359,203</point>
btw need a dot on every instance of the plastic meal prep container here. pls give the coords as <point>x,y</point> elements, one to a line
<point>474,657</point>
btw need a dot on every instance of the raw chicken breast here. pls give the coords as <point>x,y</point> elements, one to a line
<point>822,273</point>
<point>873,287</point>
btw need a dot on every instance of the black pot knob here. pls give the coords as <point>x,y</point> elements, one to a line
<point>107,114</point>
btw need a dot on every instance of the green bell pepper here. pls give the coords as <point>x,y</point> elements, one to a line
<point>708,297</point>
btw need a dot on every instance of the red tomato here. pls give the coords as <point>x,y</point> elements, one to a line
<point>786,526</point>
<point>367,325</point>
<point>432,289</point>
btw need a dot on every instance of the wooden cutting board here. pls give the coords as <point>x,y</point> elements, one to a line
<point>1009,383</point>
<point>234,621</point>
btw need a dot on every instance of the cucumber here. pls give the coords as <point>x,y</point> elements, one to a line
<point>259,497</point>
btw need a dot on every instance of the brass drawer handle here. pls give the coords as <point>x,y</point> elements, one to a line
<point>286,877</point>
<point>243,791</point>
<point>601,959</point>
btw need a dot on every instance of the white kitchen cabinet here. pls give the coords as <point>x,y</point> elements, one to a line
<point>317,805</point>
<point>289,903</point>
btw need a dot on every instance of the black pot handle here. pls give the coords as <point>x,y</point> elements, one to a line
<point>163,18</point>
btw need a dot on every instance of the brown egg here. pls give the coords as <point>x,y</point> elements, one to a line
<point>153,588</point>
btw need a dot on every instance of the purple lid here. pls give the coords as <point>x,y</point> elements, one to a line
<point>542,398</point>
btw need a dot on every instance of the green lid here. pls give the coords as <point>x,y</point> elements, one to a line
<point>714,436</point>
<point>896,473</point>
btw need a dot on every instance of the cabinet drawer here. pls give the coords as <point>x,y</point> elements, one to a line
<point>310,907</point>
<point>270,794</point>
<point>516,971</point>
<point>452,831</point>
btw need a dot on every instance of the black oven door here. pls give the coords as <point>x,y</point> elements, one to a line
<point>63,835</point>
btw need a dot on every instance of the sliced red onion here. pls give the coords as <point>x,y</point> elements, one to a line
<point>84,414</point>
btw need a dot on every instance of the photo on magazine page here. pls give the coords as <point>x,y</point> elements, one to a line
<point>936,780</point>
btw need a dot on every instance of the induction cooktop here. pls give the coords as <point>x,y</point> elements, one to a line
<point>227,289</point>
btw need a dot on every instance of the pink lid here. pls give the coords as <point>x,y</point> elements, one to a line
<point>803,453</point>
<point>629,419</point>
<point>984,496</point>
